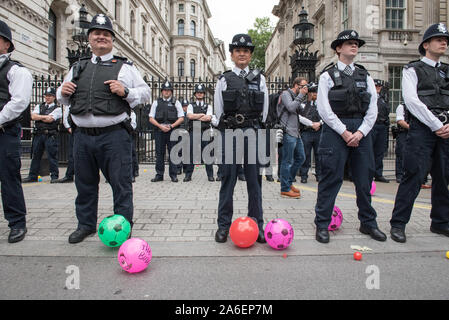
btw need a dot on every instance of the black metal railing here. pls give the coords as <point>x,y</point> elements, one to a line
<point>183,89</point>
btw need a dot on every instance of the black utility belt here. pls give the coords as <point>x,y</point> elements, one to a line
<point>99,131</point>
<point>351,116</point>
<point>240,121</point>
<point>45,132</point>
<point>8,125</point>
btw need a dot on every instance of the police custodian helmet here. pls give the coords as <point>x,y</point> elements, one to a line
<point>435,30</point>
<point>102,22</point>
<point>5,32</point>
<point>346,36</point>
<point>167,86</point>
<point>241,41</point>
<point>200,88</point>
<point>50,92</point>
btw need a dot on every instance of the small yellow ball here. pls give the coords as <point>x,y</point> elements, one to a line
<point>447,254</point>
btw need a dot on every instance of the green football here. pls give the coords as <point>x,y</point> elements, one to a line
<point>114,231</point>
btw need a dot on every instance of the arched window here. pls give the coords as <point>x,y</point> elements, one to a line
<point>181,27</point>
<point>144,38</point>
<point>52,36</point>
<point>192,68</point>
<point>181,67</point>
<point>193,28</point>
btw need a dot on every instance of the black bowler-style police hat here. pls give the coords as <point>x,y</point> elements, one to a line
<point>346,36</point>
<point>167,86</point>
<point>435,30</point>
<point>185,102</point>
<point>200,88</point>
<point>379,83</point>
<point>242,41</point>
<point>50,92</point>
<point>5,32</point>
<point>102,22</point>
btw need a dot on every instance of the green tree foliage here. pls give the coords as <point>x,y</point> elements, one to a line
<point>260,34</point>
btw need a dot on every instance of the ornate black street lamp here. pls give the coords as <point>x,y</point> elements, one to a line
<point>303,62</point>
<point>80,37</point>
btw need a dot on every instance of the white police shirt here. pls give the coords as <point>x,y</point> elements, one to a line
<point>129,76</point>
<point>413,103</point>
<point>400,113</point>
<point>330,118</point>
<point>65,117</point>
<point>56,114</point>
<point>20,88</point>
<point>177,105</point>
<point>209,111</point>
<point>133,120</point>
<point>222,86</point>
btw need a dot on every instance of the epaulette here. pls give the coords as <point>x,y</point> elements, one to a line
<point>125,60</point>
<point>17,63</point>
<point>221,77</point>
<point>328,67</point>
<point>359,66</point>
<point>410,64</point>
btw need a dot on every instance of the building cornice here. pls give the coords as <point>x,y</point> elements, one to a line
<point>20,9</point>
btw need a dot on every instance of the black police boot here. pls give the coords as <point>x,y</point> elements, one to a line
<point>188,178</point>
<point>381,179</point>
<point>66,180</point>
<point>157,179</point>
<point>261,237</point>
<point>375,233</point>
<point>29,180</point>
<point>211,179</point>
<point>79,235</point>
<point>398,235</point>
<point>270,178</point>
<point>17,235</point>
<point>322,235</point>
<point>221,236</point>
<point>303,180</point>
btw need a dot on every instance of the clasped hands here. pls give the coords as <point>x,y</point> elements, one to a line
<point>352,139</point>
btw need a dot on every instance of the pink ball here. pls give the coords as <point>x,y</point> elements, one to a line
<point>337,219</point>
<point>279,234</point>
<point>134,255</point>
<point>373,188</point>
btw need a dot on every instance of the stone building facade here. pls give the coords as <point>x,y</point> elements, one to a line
<point>146,33</point>
<point>393,29</point>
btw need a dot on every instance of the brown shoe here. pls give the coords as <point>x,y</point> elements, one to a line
<point>291,195</point>
<point>295,190</point>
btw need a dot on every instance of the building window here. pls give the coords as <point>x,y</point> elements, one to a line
<point>181,7</point>
<point>52,36</point>
<point>181,67</point>
<point>344,15</point>
<point>323,37</point>
<point>193,28</point>
<point>395,14</point>
<point>181,27</point>
<point>192,68</point>
<point>395,81</point>
<point>118,5</point>
<point>153,46</point>
<point>144,38</point>
<point>133,24</point>
<point>193,9</point>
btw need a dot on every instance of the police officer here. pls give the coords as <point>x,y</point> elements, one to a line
<point>70,172</point>
<point>182,167</point>
<point>310,134</point>
<point>46,127</point>
<point>425,86</point>
<point>199,111</point>
<point>166,114</point>
<point>380,132</point>
<point>241,98</point>
<point>101,92</point>
<point>16,85</point>
<point>347,103</point>
<point>403,125</point>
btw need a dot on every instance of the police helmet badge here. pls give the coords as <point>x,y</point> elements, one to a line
<point>101,19</point>
<point>242,40</point>
<point>442,28</point>
<point>353,34</point>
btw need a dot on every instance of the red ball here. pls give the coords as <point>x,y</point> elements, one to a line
<point>357,256</point>
<point>244,232</point>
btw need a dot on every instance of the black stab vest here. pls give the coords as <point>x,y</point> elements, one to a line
<point>198,109</point>
<point>5,96</point>
<point>45,111</point>
<point>92,95</point>
<point>166,112</point>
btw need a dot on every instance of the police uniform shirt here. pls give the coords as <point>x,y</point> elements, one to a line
<point>330,118</point>
<point>129,76</point>
<point>56,114</point>
<point>20,88</point>
<point>413,103</point>
<point>400,113</point>
<point>65,117</point>
<point>133,120</point>
<point>201,104</point>
<point>177,105</point>
<point>222,86</point>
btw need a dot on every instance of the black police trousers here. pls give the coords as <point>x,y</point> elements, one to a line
<point>423,147</point>
<point>13,200</point>
<point>111,153</point>
<point>333,154</point>
<point>41,143</point>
